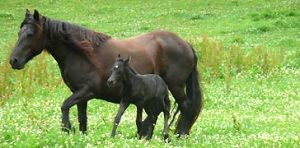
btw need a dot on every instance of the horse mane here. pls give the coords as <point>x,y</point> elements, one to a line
<point>82,40</point>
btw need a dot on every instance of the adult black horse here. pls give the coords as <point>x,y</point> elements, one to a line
<point>85,58</point>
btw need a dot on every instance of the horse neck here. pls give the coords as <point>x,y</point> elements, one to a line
<point>55,44</point>
<point>64,38</point>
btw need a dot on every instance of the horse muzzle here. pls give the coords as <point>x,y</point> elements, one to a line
<point>16,63</point>
<point>110,83</point>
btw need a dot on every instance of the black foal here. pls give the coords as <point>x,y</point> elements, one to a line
<point>148,92</point>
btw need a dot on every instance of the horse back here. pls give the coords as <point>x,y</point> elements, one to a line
<point>151,52</point>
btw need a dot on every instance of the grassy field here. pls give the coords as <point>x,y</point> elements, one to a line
<point>249,53</point>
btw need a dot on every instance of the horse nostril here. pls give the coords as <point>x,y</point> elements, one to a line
<point>13,60</point>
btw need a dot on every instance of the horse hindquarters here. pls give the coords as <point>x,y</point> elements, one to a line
<point>180,73</point>
<point>190,108</point>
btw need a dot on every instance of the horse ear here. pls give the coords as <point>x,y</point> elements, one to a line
<point>36,15</point>
<point>27,13</point>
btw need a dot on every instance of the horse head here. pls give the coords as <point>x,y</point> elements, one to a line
<point>31,40</point>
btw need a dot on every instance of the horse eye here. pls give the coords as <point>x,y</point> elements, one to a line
<point>30,34</point>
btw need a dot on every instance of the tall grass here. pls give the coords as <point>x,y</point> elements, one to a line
<point>218,62</point>
<point>38,73</point>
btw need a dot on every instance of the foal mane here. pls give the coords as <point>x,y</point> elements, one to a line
<point>132,70</point>
<point>82,40</point>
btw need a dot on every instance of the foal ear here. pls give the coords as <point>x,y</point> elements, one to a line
<point>128,59</point>
<point>36,15</point>
<point>27,13</point>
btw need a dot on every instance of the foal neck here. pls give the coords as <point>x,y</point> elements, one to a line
<point>130,76</point>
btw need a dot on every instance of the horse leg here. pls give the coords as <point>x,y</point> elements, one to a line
<point>123,106</point>
<point>81,95</point>
<point>184,121</point>
<point>139,117</point>
<point>82,117</point>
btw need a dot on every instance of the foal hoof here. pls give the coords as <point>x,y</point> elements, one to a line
<point>182,135</point>
<point>167,140</point>
<point>84,132</point>
<point>112,135</point>
<point>166,136</point>
<point>68,130</point>
<point>139,135</point>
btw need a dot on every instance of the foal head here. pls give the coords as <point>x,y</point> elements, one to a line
<point>31,40</point>
<point>118,71</point>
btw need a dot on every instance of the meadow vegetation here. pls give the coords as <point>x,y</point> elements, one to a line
<point>249,61</point>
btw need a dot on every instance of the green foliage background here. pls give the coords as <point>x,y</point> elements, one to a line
<point>249,60</point>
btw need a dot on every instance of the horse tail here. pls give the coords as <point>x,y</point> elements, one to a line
<point>194,90</point>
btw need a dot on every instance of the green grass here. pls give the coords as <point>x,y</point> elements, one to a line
<point>249,60</point>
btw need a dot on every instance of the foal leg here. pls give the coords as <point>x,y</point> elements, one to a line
<point>81,95</point>
<point>123,106</point>
<point>82,117</point>
<point>147,121</point>
<point>166,126</point>
<point>139,116</point>
<point>151,127</point>
<point>145,126</point>
<point>166,110</point>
